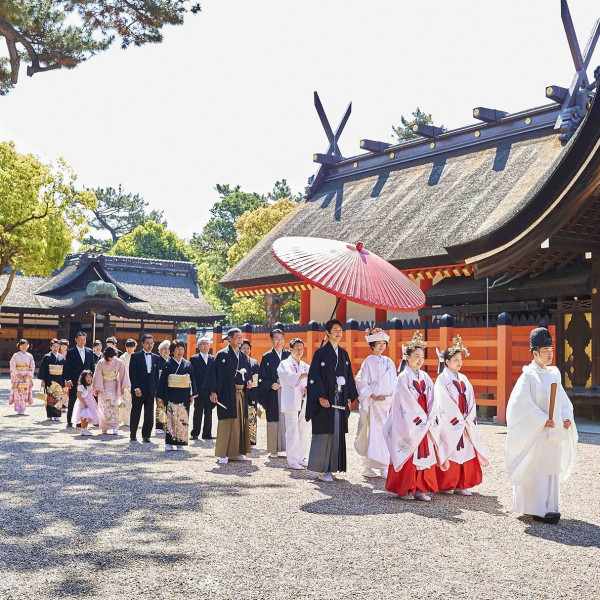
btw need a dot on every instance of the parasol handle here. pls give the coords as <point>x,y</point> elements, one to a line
<point>337,302</point>
<point>552,400</point>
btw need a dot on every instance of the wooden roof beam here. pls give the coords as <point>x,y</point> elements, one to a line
<point>427,131</point>
<point>374,146</point>
<point>488,115</point>
<point>571,244</point>
<point>556,93</point>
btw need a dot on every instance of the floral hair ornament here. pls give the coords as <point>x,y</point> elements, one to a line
<point>417,341</point>
<point>459,347</point>
<point>376,335</point>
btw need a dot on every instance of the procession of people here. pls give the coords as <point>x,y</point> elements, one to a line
<point>421,437</point>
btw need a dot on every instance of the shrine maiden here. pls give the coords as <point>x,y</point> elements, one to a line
<point>375,382</point>
<point>413,431</point>
<point>460,442</point>
<point>541,448</point>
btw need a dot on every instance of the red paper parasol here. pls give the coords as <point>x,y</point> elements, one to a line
<point>348,271</point>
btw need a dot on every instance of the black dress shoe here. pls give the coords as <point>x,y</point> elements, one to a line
<point>193,437</point>
<point>133,439</point>
<point>551,518</point>
<point>146,440</point>
<point>210,437</point>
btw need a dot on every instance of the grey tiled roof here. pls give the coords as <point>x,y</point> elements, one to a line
<point>410,215</point>
<point>151,287</point>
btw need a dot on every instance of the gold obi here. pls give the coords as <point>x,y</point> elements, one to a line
<point>22,366</point>
<point>55,369</point>
<point>179,381</point>
<point>110,375</point>
<point>23,386</point>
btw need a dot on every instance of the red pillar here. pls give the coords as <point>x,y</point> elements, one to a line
<point>504,372</point>
<point>304,307</point>
<point>191,342</point>
<point>341,311</point>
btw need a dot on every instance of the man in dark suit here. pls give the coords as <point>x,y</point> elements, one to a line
<point>78,359</point>
<point>269,393</point>
<point>203,364</point>
<point>143,374</point>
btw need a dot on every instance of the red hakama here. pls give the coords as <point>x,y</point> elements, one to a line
<point>463,476</point>
<point>408,479</point>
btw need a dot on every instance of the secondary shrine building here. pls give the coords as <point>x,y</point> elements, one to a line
<point>104,296</point>
<point>498,217</point>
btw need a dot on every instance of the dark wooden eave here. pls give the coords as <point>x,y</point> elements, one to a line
<point>563,214</point>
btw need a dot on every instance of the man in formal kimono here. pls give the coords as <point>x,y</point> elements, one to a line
<point>330,391</point>
<point>203,364</point>
<point>541,444</point>
<point>80,358</point>
<point>269,393</point>
<point>228,384</point>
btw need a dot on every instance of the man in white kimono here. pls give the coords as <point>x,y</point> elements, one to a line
<point>293,373</point>
<point>541,448</point>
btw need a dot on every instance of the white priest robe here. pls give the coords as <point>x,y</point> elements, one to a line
<point>293,407</point>
<point>460,440</point>
<point>539,458</point>
<point>409,424</point>
<point>377,377</point>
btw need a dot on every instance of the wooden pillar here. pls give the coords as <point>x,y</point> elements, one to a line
<point>312,340</point>
<point>191,342</point>
<point>504,369</point>
<point>395,345</point>
<point>380,315</point>
<point>20,327</point>
<point>342,309</point>
<point>217,338</point>
<point>351,334</point>
<point>595,294</point>
<point>304,307</point>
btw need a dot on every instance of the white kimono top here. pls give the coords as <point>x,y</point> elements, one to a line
<point>532,448</point>
<point>377,377</point>
<point>412,429</point>
<point>293,393</point>
<point>460,440</point>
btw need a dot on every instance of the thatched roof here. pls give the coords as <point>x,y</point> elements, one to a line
<point>147,288</point>
<point>408,213</point>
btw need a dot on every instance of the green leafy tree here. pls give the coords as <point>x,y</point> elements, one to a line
<point>152,240</point>
<point>405,131</point>
<point>40,214</point>
<point>60,34</point>
<point>282,191</point>
<point>119,213</point>
<point>251,227</point>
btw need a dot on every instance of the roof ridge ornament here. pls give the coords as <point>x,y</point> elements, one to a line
<point>575,99</point>
<point>332,154</point>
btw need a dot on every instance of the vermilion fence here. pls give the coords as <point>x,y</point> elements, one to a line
<point>498,349</point>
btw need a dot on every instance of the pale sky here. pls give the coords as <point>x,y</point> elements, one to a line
<point>228,97</point>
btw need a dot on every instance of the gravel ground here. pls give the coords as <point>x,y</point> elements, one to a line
<point>90,517</point>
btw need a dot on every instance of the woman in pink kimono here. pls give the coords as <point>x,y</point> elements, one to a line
<point>22,366</point>
<point>110,378</point>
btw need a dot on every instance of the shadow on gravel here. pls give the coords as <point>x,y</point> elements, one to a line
<point>356,500</point>
<point>52,498</point>
<point>571,532</point>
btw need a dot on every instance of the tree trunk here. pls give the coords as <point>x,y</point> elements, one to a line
<point>9,283</point>
<point>273,305</point>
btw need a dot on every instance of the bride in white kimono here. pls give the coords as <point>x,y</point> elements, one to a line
<point>541,448</point>
<point>375,383</point>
